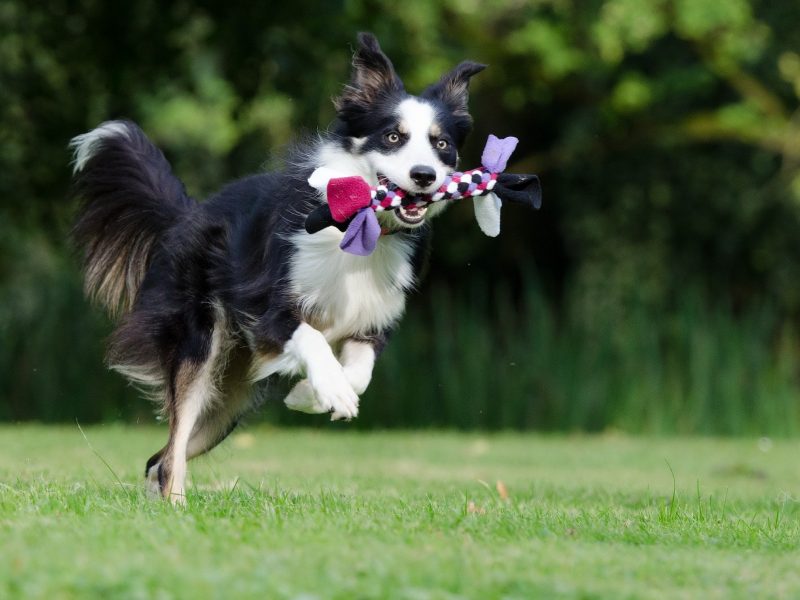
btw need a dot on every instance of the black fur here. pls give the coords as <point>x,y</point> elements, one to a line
<point>131,199</point>
<point>451,93</point>
<point>373,84</point>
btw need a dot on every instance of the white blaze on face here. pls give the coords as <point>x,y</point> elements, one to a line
<point>418,122</point>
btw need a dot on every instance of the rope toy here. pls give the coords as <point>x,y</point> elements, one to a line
<point>352,203</point>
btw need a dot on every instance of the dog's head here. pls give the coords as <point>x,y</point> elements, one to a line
<point>412,141</point>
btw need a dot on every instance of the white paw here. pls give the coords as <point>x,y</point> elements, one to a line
<point>335,393</point>
<point>325,375</point>
<point>303,399</point>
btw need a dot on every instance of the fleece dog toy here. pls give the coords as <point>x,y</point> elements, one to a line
<point>352,203</point>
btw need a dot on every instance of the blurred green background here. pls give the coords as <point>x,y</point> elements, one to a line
<point>658,290</point>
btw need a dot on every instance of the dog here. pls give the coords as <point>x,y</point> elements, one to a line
<point>211,298</point>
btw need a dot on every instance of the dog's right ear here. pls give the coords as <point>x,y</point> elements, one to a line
<point>373,76</point>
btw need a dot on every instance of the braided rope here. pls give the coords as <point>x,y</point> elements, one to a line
<point>458,185</point>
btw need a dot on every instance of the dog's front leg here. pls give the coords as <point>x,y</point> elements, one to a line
<point>357,359</point>
<point>326,387</point>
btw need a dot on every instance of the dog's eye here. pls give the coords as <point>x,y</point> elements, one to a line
<point>392,137</point>
<point>442,144</point>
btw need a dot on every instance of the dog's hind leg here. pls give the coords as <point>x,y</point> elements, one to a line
<point>191,396</point>
<point>191,391</point>
<point>210,429</point>
<point>215,424</point>
<point>235,399</point>
<point>219,418</point>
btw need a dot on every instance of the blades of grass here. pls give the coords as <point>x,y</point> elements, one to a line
<point>98,455</point>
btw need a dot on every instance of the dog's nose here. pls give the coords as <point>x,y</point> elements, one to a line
<point>423,176</point>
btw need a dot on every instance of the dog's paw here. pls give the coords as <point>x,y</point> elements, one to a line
<point>336,395</point>
<point>302,398</point>
<point>152,485</point>
<point>156,486</point>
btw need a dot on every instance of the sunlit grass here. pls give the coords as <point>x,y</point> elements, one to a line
<point>286,514</point>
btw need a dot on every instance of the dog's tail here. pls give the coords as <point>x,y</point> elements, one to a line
<point>130,197</point>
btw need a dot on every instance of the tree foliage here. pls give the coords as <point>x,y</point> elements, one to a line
<point>666,133</point>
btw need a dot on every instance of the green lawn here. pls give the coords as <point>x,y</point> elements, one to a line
<point>311,514</point>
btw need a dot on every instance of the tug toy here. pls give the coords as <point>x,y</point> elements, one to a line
<point>352,203</point>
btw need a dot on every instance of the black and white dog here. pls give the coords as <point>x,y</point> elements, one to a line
<point>214,297</point>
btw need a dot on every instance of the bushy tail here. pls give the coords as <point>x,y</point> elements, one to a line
<point>130,197</point>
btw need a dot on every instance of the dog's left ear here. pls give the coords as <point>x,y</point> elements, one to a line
<point>453,87</point>
<point>373,76</point>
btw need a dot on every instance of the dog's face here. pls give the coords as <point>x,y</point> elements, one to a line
<point>412,141</point>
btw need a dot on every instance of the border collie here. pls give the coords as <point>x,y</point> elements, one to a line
<point>213,297</point>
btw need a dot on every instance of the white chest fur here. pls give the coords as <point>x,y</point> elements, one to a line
<point>346,295</point>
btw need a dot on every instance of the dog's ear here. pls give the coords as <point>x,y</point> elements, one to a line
<point>373,76</point>
<point>453,87</point>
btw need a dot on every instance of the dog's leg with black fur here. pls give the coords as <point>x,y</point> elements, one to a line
<point>191,391</point>
<point>235,399</point>
<point>189,396</point>
<point>215,424</point>
<point>210,430</point>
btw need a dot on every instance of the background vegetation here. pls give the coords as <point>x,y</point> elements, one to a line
<point>657,290</point>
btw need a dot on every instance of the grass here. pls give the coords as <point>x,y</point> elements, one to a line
<point>312,514</point>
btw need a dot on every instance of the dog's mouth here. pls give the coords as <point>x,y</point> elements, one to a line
<point>411,215</point>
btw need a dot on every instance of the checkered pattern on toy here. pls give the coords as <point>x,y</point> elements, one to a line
<point>466,184</point>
